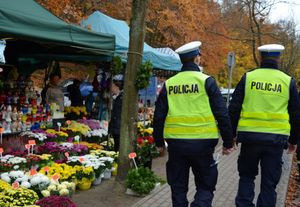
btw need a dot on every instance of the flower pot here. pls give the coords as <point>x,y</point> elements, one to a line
<point>107,174</point>
<point>97,181</point>
<point>84,185</point>
<point>114,169</point>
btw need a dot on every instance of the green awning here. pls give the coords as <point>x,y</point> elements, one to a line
<point>27,20</point>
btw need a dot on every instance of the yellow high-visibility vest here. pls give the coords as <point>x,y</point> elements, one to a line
<point>189,115</point>
<point>265,106</point>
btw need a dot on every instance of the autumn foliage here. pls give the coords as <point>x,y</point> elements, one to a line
<point>171,23</point>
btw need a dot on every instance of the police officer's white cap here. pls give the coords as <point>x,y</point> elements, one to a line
<point>271,49</point>
<point>118,77</point>
<point>191,49</point>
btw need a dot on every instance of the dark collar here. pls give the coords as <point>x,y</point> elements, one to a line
<point>269,64</point>
<point>190,67</point>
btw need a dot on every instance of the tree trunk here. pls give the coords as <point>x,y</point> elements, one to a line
<point>130,97</point>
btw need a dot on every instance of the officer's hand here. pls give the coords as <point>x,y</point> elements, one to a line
<point>291,149</point>
<point>227,151</point>
<point>161,151</point>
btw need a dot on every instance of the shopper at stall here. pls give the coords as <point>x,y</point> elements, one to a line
<point>75,94</point>
<point>115,121</point>
<point>54,93</point>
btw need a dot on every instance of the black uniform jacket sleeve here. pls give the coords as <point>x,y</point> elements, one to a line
<point>219,111</point>
<point>160,114</point>
<point>217,105</point>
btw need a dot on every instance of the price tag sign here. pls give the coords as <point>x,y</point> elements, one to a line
<point>132,155</point>
<point>15,185</point>
<point>55,177</point>
<point>1,150</point>
<point>46,169</point>
<point>31,142</point>
<point>32,172</point>
<point>67,155</point>
<point>81,159</point>
<point>1,130</point>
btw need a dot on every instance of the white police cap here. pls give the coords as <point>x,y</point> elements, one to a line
<point>191,49</point>
<point>118,77</point>
<point>271,49</point>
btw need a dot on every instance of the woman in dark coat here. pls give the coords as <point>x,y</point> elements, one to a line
<point>115,121</point>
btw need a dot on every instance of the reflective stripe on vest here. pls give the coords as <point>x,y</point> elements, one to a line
<point>265,106</point>
<point>189,114</point>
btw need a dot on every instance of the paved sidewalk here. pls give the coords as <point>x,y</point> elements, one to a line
<point>226,187</point>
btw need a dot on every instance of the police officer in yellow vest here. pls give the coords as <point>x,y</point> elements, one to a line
<point>189,115</point>
<point>265,111</point>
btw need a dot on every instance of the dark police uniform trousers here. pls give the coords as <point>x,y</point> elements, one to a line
<point>270,159</point>
<point>183,157</point>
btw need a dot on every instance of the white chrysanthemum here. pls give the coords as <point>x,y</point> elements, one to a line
<point>52,187</point>
<point>16,174</point>
<point>45,193</point>
<point>25,184</point>
<point>64,192</point>
<point>6,178</point>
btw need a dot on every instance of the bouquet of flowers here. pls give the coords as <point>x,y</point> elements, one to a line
<point>55,201</point>
<point>145,147</point>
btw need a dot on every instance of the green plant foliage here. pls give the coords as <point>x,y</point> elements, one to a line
<point>144,75</point>
<point>116,67</point>
<point>141,180</point>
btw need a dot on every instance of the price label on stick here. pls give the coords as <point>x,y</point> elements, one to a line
<point>15,185</point>
<point>32,172</point>
<point>31,142</point>
<point>46,169</point>
<point>67,155</point>
<point>132,155</point>
<point>55,177</point>
<point>1,150</point>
